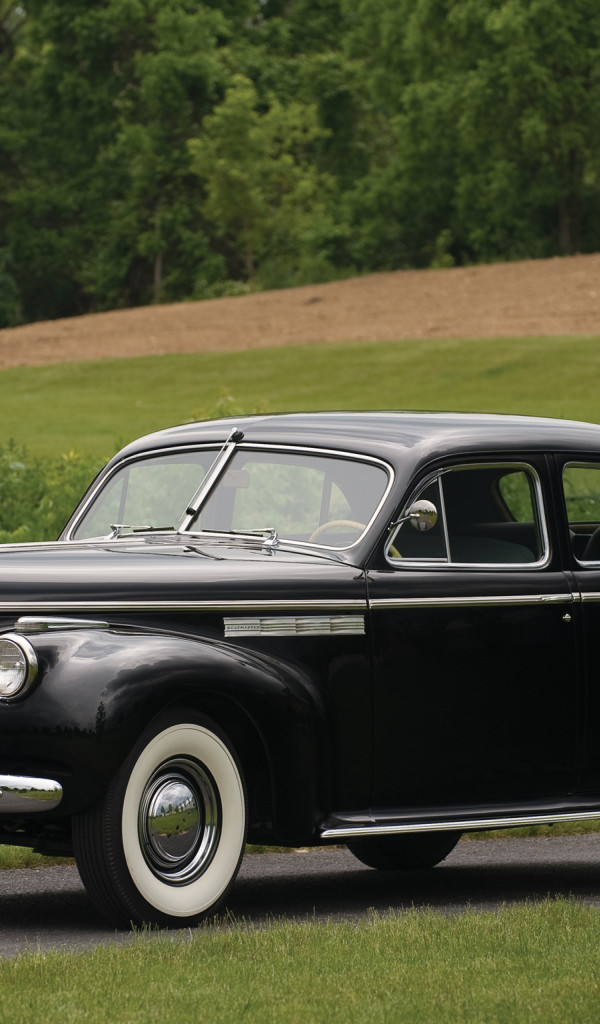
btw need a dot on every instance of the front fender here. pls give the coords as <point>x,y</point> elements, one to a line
<point>98,689</point>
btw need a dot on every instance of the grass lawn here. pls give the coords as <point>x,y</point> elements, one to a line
<point>96,407</point>
<point>522,964</point>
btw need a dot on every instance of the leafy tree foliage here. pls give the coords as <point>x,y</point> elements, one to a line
<point>264,196</point>
<point>159,150</point>
<point>493,106</point>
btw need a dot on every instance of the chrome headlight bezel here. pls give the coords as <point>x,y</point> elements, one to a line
<point>26,666</point>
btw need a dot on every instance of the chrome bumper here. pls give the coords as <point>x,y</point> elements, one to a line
<point>20,794</point>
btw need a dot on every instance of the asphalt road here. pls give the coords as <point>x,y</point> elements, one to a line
<point>48,908</point>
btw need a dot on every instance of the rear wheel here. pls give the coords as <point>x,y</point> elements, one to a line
<point>165,844</point>
<point>404,852</point>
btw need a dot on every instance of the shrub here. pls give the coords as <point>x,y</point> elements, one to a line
<point>37,495</point>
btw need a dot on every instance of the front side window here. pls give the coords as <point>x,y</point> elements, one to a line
<point>581,486</point>
<point>486,515</point>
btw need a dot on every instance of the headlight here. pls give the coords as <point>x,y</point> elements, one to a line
<point>18,666</point>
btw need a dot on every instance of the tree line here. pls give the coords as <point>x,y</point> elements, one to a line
<point>167,150</point>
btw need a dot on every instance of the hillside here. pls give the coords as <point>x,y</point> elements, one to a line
<point>541,297</point>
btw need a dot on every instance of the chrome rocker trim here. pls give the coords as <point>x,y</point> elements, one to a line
<point>21,794</point>
<point>457,824</point>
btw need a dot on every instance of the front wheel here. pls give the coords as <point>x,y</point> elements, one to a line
<point>409,851</point>
<point>164,845</point>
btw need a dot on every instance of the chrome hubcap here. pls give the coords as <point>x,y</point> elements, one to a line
<point>179,821</point>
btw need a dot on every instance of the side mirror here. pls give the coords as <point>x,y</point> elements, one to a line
<point>422,515</point>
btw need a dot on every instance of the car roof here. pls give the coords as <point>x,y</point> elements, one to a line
<point>420,434</point>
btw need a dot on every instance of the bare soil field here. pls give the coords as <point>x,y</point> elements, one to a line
<point>532,298</point>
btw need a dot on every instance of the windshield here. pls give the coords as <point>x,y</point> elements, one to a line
<point>307,497</point>
<point>151,493</point>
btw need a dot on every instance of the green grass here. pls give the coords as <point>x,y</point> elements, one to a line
<point>13,857</point>
<point>522,964</point>
<point>562,828</point>
<point>95,407</point>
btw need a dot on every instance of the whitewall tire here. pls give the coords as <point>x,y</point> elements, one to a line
<point>165,844</point>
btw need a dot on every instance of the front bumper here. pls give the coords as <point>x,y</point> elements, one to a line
<point>22,794</point>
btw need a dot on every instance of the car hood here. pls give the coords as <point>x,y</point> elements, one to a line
<point>145,571</point>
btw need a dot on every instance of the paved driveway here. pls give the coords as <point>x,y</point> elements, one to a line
<point>48,908</point>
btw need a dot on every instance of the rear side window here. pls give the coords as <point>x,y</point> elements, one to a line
<point>486,515</point>
<point>581,485</point>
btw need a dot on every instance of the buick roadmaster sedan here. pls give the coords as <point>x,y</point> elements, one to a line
<point>378,629</point>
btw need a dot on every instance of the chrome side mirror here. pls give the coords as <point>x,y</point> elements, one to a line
<point>422,515</point>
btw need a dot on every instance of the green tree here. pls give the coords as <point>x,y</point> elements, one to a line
<point>266,201</point>
<point>153,241</point>
<point>102,209</point>
<point>490,114</point>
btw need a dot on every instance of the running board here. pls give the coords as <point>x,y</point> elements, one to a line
<point>376,828</point>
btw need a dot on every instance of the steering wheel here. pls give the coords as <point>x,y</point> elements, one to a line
<point>334,524</point>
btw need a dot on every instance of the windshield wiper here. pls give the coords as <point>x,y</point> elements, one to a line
<point>220,461</point>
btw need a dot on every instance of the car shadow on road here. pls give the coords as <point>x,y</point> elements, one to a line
<point>483,879</point>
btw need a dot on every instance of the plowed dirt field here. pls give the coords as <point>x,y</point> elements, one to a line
<point>536,297</point>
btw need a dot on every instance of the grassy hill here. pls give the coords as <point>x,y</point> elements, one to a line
<point>94,407</point>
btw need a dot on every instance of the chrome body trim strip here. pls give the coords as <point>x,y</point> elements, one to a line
<point>296,625</point>
<point>590,596</point>
<point>459,824</point>
<point>216,607</point>
<point>40,623</point>
<point>467,602</point>
<point>208,607</point>
<point>21,794</point>
<point>31,624</point>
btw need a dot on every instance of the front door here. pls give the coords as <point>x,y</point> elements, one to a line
<point>474,654</point>
<point>581,486</point>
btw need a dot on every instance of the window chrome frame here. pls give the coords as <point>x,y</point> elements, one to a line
<point>445,564</point>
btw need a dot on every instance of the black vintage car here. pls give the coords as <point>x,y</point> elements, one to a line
<point>378,629</point>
